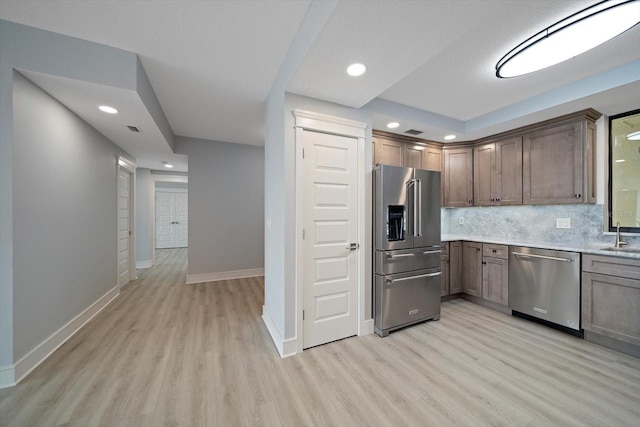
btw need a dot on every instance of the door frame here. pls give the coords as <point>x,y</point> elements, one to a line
<point>311,121</point>
<point>124,164</point>
<point>155,178</point>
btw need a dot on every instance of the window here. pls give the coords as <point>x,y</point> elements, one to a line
<point>624,171</point>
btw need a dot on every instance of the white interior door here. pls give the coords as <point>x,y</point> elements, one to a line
<point>172,219</point>
<point>124,227</point>
<point>330,218</point>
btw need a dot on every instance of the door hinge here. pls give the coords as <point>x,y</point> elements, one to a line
<point>303,153</point>
<point>303,234</point>
<point>302,314</point>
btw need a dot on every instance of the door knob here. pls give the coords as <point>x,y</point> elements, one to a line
<point>353,246</point>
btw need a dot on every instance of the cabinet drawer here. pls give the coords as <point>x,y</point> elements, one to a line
<point>612,266</point>
<point>495,251</point>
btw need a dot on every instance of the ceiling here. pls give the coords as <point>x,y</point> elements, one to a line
<point>430,64</point>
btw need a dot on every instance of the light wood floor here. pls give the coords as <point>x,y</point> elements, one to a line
<point>165,353</point>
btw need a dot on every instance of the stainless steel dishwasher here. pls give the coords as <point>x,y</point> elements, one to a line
<point>545,284</point>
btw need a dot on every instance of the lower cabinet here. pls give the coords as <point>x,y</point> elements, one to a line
<point>611,297</point>
<point>495,273</point>
<point>472,268</point>
<point>444,268</point>
<point>455,267</point>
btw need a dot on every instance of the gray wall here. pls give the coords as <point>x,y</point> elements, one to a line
<point>64,210</point>
<point>23,47</point>
<point>143,210</point>
<point>226,205</point>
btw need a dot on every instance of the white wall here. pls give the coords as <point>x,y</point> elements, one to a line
<point>280,184</point>
<point>64,210</point>
<point>226,206</point>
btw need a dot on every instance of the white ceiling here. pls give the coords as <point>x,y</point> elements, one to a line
<point>430,63</point>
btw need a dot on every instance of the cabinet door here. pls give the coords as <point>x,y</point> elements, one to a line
<point>508,160</point>
<point>388,152</point>
<point>472,268</point>
<point>444,276</point>
<point>495,280</point>
<point>455,267</point>
<point>413,156</point>
<point>432,159</point>
<point>611,306</point>
<point>458,177</point>
<point>484,175</point>
<point>552,165</point>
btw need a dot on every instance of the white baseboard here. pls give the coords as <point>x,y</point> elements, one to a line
<point>367,327</point>
<point>7,376</point>
<point>143,264</point>
<point>286,347</point>
<point>39,354</point>
<point>224,275</point>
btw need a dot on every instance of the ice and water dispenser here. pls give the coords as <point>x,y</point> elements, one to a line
<point>396,225</point>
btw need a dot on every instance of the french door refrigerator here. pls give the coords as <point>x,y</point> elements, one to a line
<point>407,247</point>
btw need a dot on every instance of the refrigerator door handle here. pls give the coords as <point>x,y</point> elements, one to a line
<point>417,199</point>
<point>411,198</point>
<point>420,276</point>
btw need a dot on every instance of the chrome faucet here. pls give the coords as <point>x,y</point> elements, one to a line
<point>619,243</point>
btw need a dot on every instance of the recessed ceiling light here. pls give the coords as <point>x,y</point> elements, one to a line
<point>570,37</point>
<point>634,136</point>
<point>356,70</point>
<point>393,125</point>
<point>449,137</point>
<point>107,109</point>
<point>620,161</point>
<point>167,165</point>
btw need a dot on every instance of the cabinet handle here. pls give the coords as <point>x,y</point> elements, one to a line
<point>494,251</point>
<point>484,262</point>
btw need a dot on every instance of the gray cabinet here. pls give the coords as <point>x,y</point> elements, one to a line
<point>558,164</point>
<point>388,151</point>
<point>444,268</point>
<point>611,297</point>
<point>455,267</point>
<point>495,273</point>
<point>458,177</point>
<point>472,268</point>
<point>497,173</point>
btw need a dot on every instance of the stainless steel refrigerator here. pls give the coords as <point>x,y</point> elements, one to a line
<point>406,247</point>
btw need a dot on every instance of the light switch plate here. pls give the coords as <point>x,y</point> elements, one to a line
<point>563,222</point>
<point>461,221</point>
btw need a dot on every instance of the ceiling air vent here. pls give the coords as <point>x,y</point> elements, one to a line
<point>413,132</point>
<point>134,129</point>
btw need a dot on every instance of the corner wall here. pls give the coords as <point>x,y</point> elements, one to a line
<point>226,209</point>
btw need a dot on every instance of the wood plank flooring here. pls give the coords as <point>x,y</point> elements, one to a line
<point>165,353</point>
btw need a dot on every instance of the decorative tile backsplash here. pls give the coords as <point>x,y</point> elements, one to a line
<point>531,223</point>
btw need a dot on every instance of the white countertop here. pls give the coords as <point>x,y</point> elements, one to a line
<point>596,248</point>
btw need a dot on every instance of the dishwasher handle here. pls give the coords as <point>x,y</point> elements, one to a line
<point>552,258</point>
<point>420,276</point>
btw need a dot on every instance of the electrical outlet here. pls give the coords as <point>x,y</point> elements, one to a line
<point>563,222</point>
<point>461,221</point>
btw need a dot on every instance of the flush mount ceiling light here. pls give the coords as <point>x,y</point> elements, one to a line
<point>570,37</point>
<point>356,70</point>
<point>449,137</point>
<point>107,109</point>
<point>393,125</point>
<point>634,136</point>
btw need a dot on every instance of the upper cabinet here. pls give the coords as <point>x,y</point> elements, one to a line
<point>558,164</point>
<point>391,149</point>
<point>497,173</point>
<point>458,177</point>
<point>388,151</point>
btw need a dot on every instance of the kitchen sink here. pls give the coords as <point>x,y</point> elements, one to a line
<point>623,249</point>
